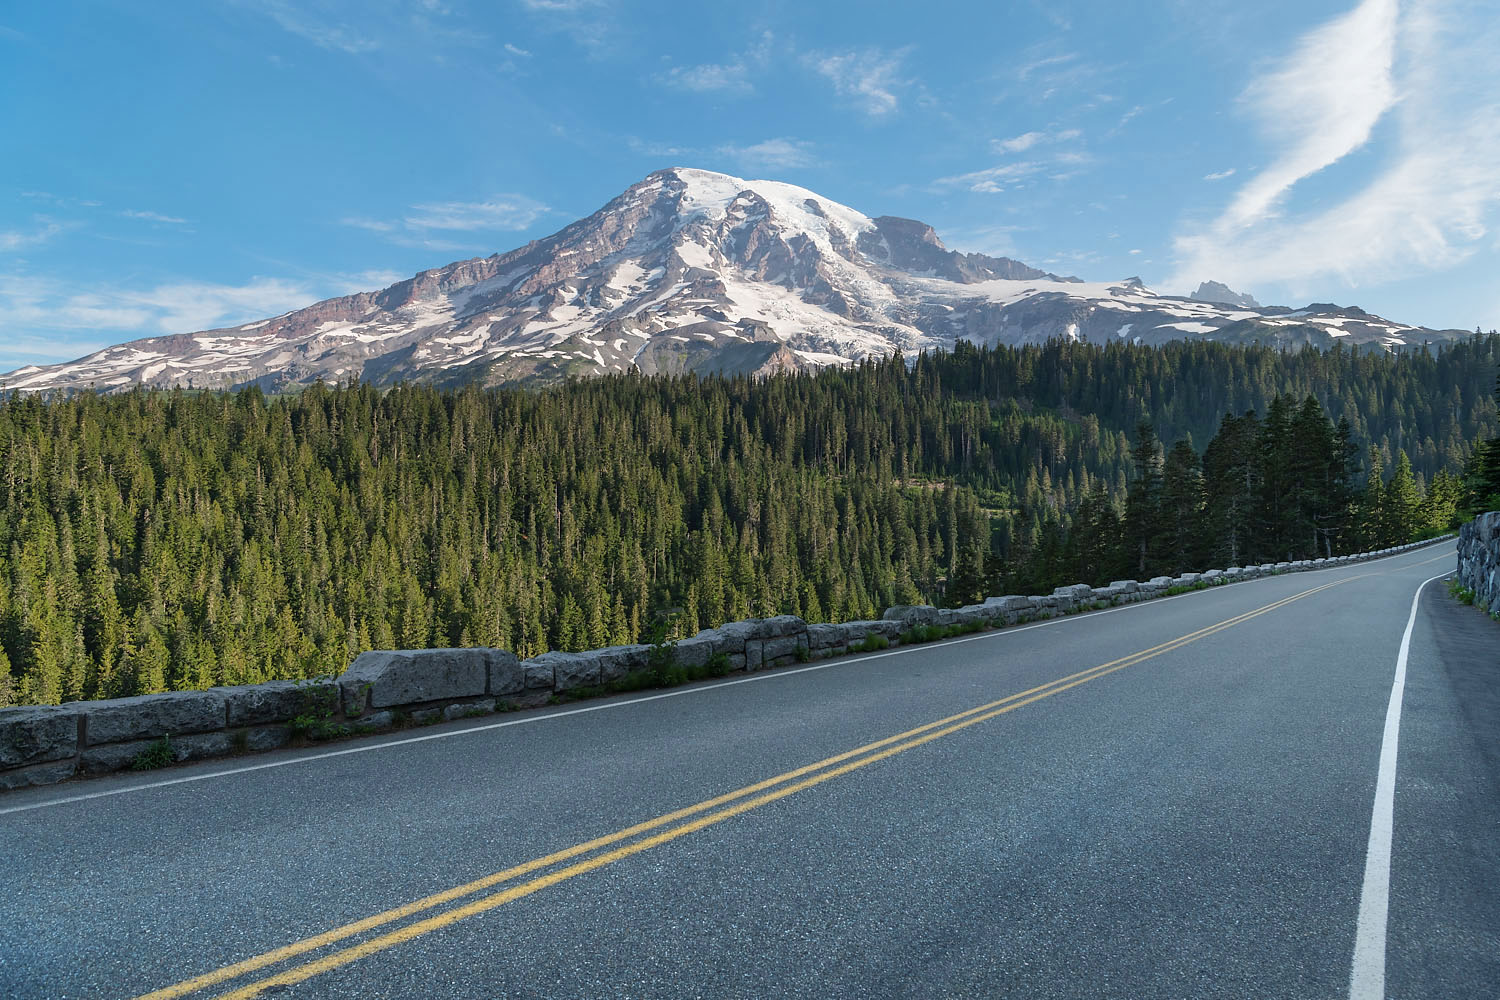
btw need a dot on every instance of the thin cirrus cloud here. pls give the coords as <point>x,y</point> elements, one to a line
<point>64,323</point>
<point>148,216</point>
<point>732,76</point>
<point>1219,175</point>
<point>502,213</point>
<point>325,34</point>
<point>867,77</point>
<point>1052,153</point>
<point>773,154</point>
<point>44,230</point>
<point>1432,199</point>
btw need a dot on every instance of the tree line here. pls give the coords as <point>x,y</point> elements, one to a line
<point>164,540</point>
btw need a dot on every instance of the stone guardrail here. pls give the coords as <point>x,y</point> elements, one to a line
<point>1479,560</point>
<point>385,689</point>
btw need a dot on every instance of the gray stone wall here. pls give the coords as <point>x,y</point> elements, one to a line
<point>387,688</point>
<point>1479,560</point>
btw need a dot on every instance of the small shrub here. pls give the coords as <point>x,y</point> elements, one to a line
<point>158,754</point>
<point>1464,595</point>
<point>872,643</point>
<point>803,654</point>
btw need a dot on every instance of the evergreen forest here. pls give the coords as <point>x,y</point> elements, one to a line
<point>155,541</point>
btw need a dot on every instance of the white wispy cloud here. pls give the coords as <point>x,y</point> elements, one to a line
<point>516,50</point>
<point>34,306</point>
<point>148,216</point>
<point>1054,153</point>
<point>325,34</point>
<point>773,154</point>
<point>1436,184</point>
<point>588,22</point>
<point>1020,143</point>
<point>21,239</point>
<point>421,223</point>
<point>869,77</point>
<point>509,212</point>
<point>732,76</point>
<point>1219,175</point>
<point>1321,103</point>
<point>1026,140</point>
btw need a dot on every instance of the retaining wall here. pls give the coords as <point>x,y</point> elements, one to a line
<point>387,688</point>
<point>1479,560</point>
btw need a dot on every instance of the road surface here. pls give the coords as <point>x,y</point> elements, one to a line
<point>1180,798</point>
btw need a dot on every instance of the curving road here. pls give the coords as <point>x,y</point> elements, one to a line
<point>1170,799</point>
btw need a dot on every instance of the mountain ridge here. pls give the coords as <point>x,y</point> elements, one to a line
<point>692,270</point>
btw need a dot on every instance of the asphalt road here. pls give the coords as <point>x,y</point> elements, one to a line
<point>1190,820</point>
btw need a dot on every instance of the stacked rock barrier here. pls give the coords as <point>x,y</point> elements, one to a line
<point>386,689</point>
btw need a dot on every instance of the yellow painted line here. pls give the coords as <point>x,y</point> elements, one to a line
<point>923,734</point>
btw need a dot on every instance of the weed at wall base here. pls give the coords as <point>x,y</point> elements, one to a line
<point>158,754</point>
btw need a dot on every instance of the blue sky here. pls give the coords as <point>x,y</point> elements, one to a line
<point>168,167</point>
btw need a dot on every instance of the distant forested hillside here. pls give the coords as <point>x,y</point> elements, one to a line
<point>161,540</point>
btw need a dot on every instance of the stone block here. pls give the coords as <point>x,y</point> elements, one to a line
<point>505,673</point>
<point>1011,602</point>
<point>37,774</point>
<point>783,646</point>
<point>277,701</point>
<point>1161,582</point>
<point>467,710</point>
<point>781,625</point>
<point>1077,591</point>
<point>825,636</point>
<point>267,737</point>
<point>35,734</point>
<point>696,650</point>
<point>736,661</point>
<point>386,678</point>
<point>427,716</point>
<point>119,756</point>
<point>383,719</point>
<point>733,636</point>
<point>149,716</point>
<point>1213,574</point>
<point>1125,586</point>
<point>912,614</point>
<point>568,670</point>
<point>752,654</point>
<point>537,675</point>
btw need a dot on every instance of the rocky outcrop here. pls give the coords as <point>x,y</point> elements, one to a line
<point>381,689</point>
<point>1479,560</point>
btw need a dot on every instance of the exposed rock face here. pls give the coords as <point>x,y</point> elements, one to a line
<point>1479,559</point>
<point>691,270</point>
<point>1213,291</point>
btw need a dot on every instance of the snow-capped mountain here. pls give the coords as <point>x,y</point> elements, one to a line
<point>691,270</point>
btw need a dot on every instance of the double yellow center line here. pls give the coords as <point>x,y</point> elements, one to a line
<point>697,817</point>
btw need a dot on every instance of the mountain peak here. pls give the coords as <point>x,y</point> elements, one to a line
<point>690,270</point>
<point>1214,291</point>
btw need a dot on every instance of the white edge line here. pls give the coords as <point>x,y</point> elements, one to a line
<point>1367,971</point>
<point>692,689</point>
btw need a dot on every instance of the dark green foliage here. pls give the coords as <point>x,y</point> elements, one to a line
<point>932,633</point>
<point>159,754</point>
<point>167,540</point>
<point>872,643</point>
